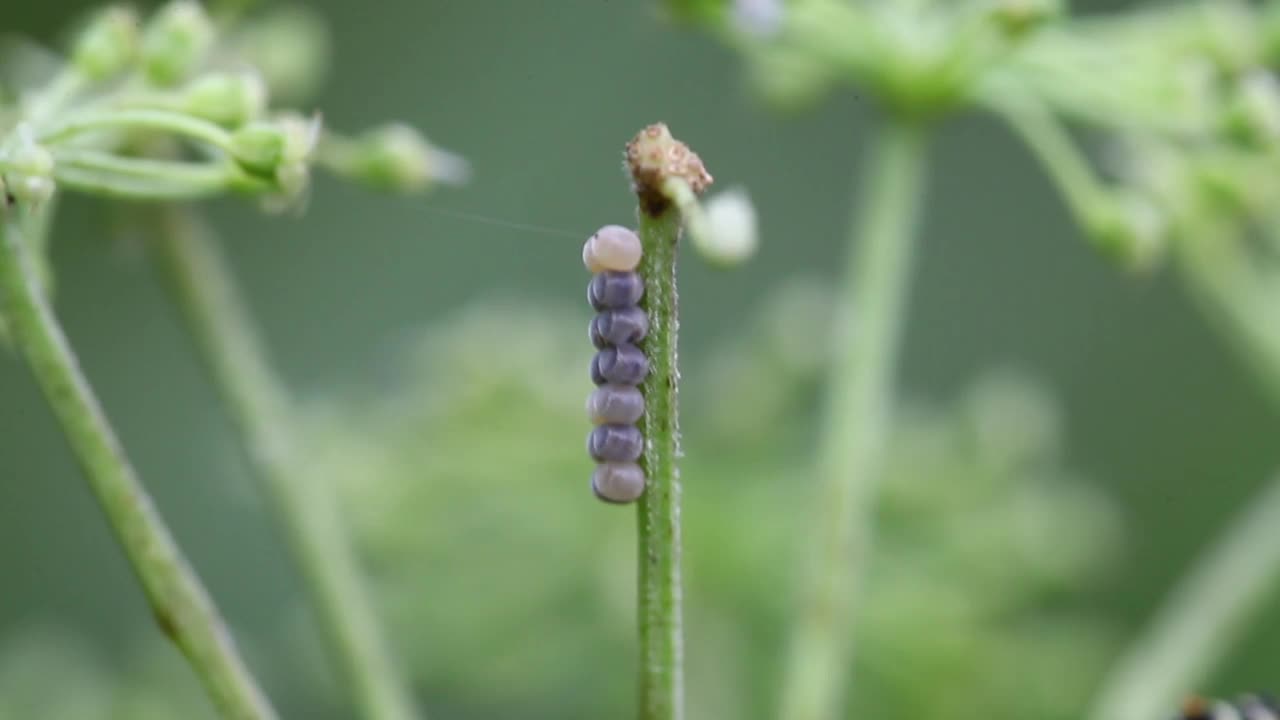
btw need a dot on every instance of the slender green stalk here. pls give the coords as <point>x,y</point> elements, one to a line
<point>1203,617</point>
<point>869,323</point>
<point>202,285</point>
<point>178,601</point>
<point>1053,145</point>
<point>162,120</point>
<point>660,611</point>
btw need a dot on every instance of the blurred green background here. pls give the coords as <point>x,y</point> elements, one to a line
<point>1153,409</point>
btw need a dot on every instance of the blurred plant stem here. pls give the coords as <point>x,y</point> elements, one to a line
<point>1215,601</point>
<point>178,600</point>
<point>189,257</point>
<point>867,332</point>
<point>1201,620</point>
<point>659,592</point>
<point>1229,288</point>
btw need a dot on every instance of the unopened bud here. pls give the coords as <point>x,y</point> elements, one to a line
<point>1018,17</point>
<point>398,157</point>
<point>175,42</point>
<point>27,168</point>
<point>1132,230</point>
<point>229,99</point>
<point>1253,116</point>
<point>107,45</point>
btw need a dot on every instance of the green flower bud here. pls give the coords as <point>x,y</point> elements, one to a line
<point>27,168</point>
<point>107,45</point>
<point>264,147</point>
<point>1253,114</point>
<point>229,99</point>
<point>290,47</point>
<point>1018,17</point>
<point>398,157</point>
<point>1132,230</point>
<point>279,150</point>
<point>727,234</point>
<point>175,42</point>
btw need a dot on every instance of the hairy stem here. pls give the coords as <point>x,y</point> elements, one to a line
<point>868,327</point>
<point>179,602</point>
<point>1202,618</point>
<point>202,285</point>
<point>659,583</point>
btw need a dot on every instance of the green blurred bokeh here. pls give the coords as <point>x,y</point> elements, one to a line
<point>540,99</point>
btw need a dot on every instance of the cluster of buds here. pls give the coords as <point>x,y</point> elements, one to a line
<point>134,92</point>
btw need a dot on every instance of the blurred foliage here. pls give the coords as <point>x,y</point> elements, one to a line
<point>459,485</point>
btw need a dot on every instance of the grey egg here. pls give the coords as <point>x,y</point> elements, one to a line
<point>615,327</point>
<point>615,443</point>
<point>615,404</point>
<point>621,365</point>
<point>618,483</point>
<point>614,290</point>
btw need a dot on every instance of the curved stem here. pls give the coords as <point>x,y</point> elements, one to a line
<point>661,681</point>
<point>1202,618</point>
<point>148,179</point>
<point>868,327</point>
<point>138,119</point>
<point>181,605</point>
<point>1053,145</point>
<point>191,261</point>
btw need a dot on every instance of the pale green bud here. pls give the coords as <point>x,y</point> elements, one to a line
<point>27,168</point>
<point>176,41</point>
<point>265,147</point>
<point>107,45</point>
<point>1253,115</point>
<point>398,157</point>
<point>290,47</point>
<point>228,99</point>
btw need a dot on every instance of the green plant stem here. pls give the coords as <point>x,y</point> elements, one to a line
<point>1203,617</point>
<point>1226,283</point>
<point>868,329</point>
<point>1057,151</point>
<point>661,682</point>
<point>162,120</point>
<point>145,178</point>
<point>179,602</point>
<point>197,274</point>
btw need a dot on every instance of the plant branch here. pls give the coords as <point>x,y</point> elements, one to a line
<point>1201,620</point>
<point>191,261</point>
<point>179,602</point>
<point>869,325</point>
<point>137,119</point>
<point>659,580</point>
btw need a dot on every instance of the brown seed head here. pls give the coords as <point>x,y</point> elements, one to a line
<point>653,157</point>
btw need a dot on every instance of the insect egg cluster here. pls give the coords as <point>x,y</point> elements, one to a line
<point>612,255</point>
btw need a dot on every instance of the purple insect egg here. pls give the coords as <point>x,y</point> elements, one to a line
<point>615,290</point>
<point>618,483</point>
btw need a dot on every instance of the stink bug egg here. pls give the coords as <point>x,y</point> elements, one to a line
<point>626,325</point>
<point>615,290</point>
<point>615,443</point>
<point>612,247</point>
<point>615,405</point>
<point>618,483</point>
<point>621,365</point>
